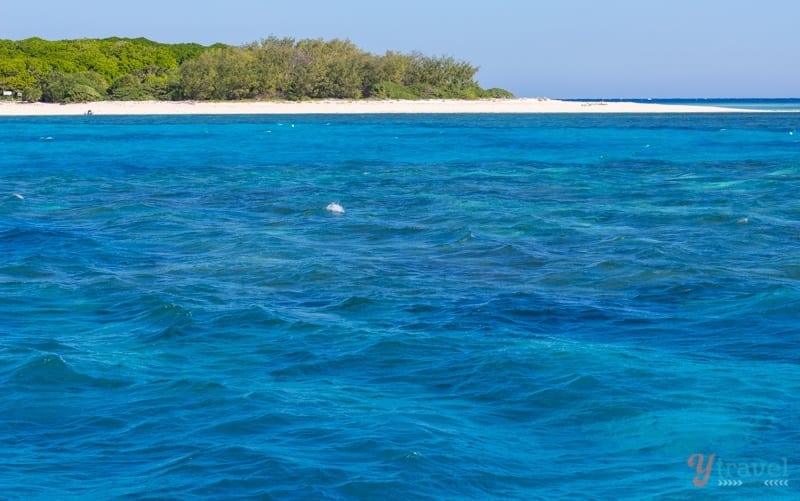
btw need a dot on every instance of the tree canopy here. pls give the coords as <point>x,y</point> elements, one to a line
<point>273,68</point>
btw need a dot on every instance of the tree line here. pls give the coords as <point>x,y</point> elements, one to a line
<point>273,68</point>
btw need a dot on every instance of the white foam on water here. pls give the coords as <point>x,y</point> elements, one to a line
<point>335,208</point>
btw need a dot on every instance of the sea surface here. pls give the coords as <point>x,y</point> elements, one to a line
<point>509,307</point>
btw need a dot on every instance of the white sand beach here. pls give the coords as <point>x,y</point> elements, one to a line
<point>525,105</point>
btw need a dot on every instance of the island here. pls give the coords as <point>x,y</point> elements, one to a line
<point>124,69</point>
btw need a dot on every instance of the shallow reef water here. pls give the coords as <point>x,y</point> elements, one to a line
<point>506,306</point>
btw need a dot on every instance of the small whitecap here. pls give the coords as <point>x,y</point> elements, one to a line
<point>335,208</point>
<point>743,220</point>
<point>18,196</point>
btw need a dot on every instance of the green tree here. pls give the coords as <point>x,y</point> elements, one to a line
<point>236,78</point>
<point>272,66</point>
<point>55,87</point>
<point>14,74</point>
<point>129,88</point>
<point>92,79</point>
<point>307,72</point>
<point>82,93</point>
<point>345,67</point>
<point>198,78</point>
<point>79,87</point>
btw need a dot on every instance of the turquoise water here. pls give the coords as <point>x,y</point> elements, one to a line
<point>510,307</point>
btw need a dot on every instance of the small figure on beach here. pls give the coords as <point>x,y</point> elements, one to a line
<point>89,113</point>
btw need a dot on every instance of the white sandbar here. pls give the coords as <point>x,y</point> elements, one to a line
<point>329,106</point>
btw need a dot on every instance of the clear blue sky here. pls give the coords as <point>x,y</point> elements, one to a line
<point>553,48</point>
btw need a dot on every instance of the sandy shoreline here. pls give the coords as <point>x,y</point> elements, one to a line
<point>526,105</point>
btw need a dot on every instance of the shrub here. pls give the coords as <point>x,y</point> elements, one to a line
<point>129,88</point>
<point>79,87</point>
<point>32,94</point>
<point>391,90</point>
<point>497,93</point>
<point>82,93</point>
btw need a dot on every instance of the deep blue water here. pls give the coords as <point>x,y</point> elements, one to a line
<point>510,307</point>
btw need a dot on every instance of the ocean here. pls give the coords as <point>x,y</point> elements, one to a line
<point>508,307</point>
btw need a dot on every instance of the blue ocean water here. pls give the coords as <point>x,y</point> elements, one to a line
<point>510,307</point>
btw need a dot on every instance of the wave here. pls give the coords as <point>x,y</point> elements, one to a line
<point>50,370</point>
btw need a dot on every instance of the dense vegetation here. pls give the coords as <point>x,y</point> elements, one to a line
<point>275,68</point>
